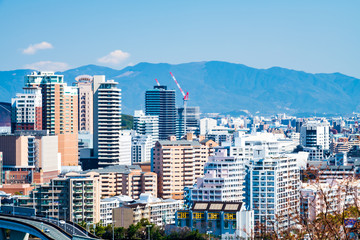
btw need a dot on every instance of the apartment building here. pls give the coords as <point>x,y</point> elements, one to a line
<point>223,180</point>
<point>147,125</point>
<point>330,197</point>
<point>125,180</point>
<point>141,149</point>
<point>74,197</point>
<point>272,191</point>
<point>178,163</point>
<point>157,211</point>
<point>85,106</point>
<point>107,121</point>
<point>26,110</point>
<point>59,112</point>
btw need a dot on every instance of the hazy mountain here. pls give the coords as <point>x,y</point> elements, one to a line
<point>222,87</point>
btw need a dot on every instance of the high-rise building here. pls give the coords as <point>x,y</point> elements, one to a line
<point>315,134</point>
<point>223,180</point>
<point>125,147</point>
<point>141,149</point>
<point>206,125</point>
<point>59,112</point>
<point>161,102</point>
<point>84,84</point>
<point>178,163</point>
<point>26,112</point>
<point>192,121</point>
<point>107,121</point>
<point>272,191</point>
<point>146,125</point>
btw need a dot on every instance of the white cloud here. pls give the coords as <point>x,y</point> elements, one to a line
<point>48,66</point>
<point>32,49</point>
<point>114,57</point>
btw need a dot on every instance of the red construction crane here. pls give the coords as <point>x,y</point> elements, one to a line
<point>157,82</point>
<point>185,99</point>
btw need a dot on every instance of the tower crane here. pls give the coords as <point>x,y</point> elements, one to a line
<point>157,82</point>
<point>185,99</point>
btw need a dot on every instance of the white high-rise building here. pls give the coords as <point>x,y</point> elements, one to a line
<point>147,125</point>
<point>272,190</point>
<point>26,111</point>
<point>223,180</point>
<point>107,121</point>
<point>207,124</point>
<point>141,148</point>
<point>315,134</point>
<point>125,147</point>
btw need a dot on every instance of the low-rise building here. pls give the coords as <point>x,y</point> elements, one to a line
<point>227,220</point>
<point>157,211</point>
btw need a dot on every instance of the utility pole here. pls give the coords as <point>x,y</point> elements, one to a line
<point>148,227</point>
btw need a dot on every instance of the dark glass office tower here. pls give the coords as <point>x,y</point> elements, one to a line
<point>161,102</point>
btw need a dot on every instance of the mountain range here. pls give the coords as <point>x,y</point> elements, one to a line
<point>220,87</point>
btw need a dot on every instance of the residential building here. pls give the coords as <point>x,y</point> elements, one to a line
<point>330,197</point>
<point>108,204</point>
<point>26,110</point>
<point>125,147</point>
<point>206,125</point>
<point>28,157</point>
<point>178,163</point>
<point>192,121</point>
<point>85,107</point>
<point>141,149</point>
<point>147,125</point>
<point>125,180</point>
<point>107,121</point>
<point>226,220</point>
<point>157,211</point>
<point>161,102</point>
<point>59,112</point>
<point>272,191</point>
<point>223,180</point>
<point>75,197</point>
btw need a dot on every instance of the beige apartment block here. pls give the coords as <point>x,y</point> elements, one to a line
<point>59,112</point>
<point>84,84</point>
<point>125,180</point>
<point>178,163</point>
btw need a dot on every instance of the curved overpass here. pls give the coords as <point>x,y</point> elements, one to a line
<point>21,227</point>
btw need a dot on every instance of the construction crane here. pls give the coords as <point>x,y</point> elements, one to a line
<point>157,82</point>
<point>185,99</point>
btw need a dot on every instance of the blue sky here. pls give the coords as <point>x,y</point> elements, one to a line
<point>308,35</point>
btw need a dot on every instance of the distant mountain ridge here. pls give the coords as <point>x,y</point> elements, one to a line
<point>221,87</point>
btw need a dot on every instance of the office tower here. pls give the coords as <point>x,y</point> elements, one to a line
<point>272,191</point>
<point>141,149</point>
<point>26,110</point>
<point>178,163</point>
<point>192,121</point>
<point>59,112</point>
<point>223,180</point>
<point>84,84</point>
<point>315,134</point>
<point>146,125</point>
<point>107,121</point>
<point>125,147</point>
<point>161,102</point>
<point>206,125</point>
